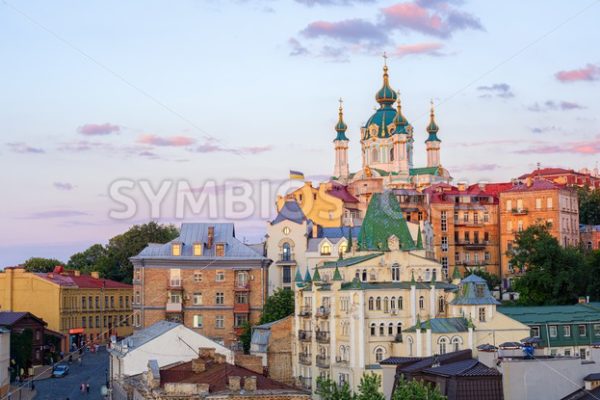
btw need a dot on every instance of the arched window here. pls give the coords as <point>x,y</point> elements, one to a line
<point>325,249</point>
<point>379,352</point>
<point>378,304</point>
<point>364,275</point>
<point>286,252</point>
<point>393,303</point>
<point>441,304</point>
<point>456,341</point>
<point>381,329</point>
<point>373,328</point>
<point>392,154</point>
<point>434,273</point>
<point>357,275</point>
<point>386,305</point>
<point>391,329</point>
<point>343,248</point>
<point>421,302</point>
<point>374,154</point>
<point>410,347</point>
<point>399,328</point>
<point>400,303</point>
<point>370,303</point>
<point>427,276</point>
<point>342,353</point>
<point>443,342</point>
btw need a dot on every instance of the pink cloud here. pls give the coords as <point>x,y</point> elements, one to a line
<point>591,147</point>
<point>175,141</point>
<point>432,49</point>
<point>350,30</point>
<point>23,148</point>
<point>98,129</point>
<point>65,186</point>
<point>590,72</point>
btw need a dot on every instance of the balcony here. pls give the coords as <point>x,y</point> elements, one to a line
<point>174,307</point>
<point>306,382</point>
<point>286,259</point>
<point>322,336</point>
<point>519,211</point>
<point>342,361</point>
<point>473,244</point>
<point>322,361</point>
<point>304,336</point>
<point>323,312</point>
<point>305,311</point>
<point>241,287</point>
<point>481,263</point>
<point>305,359</point>
<point>174,284</point>
<point>462,222</point>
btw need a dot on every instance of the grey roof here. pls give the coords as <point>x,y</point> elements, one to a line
<point>339,232</point>
<point>583,394</point>
<point>290,211</point>
<point>463,368</point>
<point>592,377</point>
<point>443,325</point>
<point>419,364</point>
<point>314,243</point>
<point>141,337</point>
<point>469,295</point>
<point>7,318</point>
<point>194,233</point>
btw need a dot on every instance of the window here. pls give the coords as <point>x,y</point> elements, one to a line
<point>364,275</point>
<point>343,248</point>
<point>286,252</point>
<point>120,301</point>
<point>549,203</point>
<point>508,205</point>
<point>481,314</point>
<point>444,262</point>
<point>386,305</point>
<point>378,304</point>
<point>567,331</point>
<point>241,320</point>
<point>476,218</point>
<point>83,320</point>
<point>455,344</point>
<point>83,303</point>
<point>466,216</point>
<point>220,276</point>
<point>486,217</point>
<point>175,277</point>
<point>535,331</point>
<point>479,290</point>
<point>443,342</point>
<point>582,354</point>
<point>197,322</point>
<point>286,230</point>
<point>444,243</point>
<point>174,297</point>
<point>400,303</point>
<point>487,256</point>
<point>596,329</point>
<point>220,298</point>
<point>371,303</point>
<point>379,354</point>
<point>97,320</point>
<point>538,204</point>
<point>444,222</point>
<point>220,250</point>
<point>381,329</point>
<point>373,327</point>
<point>197,248</point>
<point>197,298</point>
<point>519,204</point>
<point>219,322</point>
<point>399,328</point>
<point>441,304</point>
<point>138,297</point>
<point>395,273</point>
<point>520,226</point>
<point>126,301</point>
<point>197,277</point>
<point>582,330</point>
<point>97,301</point>
<point>112,301</point>
<point>241,298</point>
<point>176,249</point>
<point>90,303</point>
<point>90,322</point>
<point>421,303</point>
<point>286,274</point>
<point>325,249</point>
<point>553,329</point>
<point>567,353</point>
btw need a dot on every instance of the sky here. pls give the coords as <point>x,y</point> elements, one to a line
<point>105,97</point>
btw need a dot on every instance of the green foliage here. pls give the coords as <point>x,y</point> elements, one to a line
<point>416,390</point>
<point>369,387</point>
<point>493,281</point>
<point>88,260</point>
<point>589,206</point>
<point>279,305</point>
<point>329,390</point>
<point>21,346</point>
<point>246,337</point>
<point>40,264</point>
<point>554,275</point>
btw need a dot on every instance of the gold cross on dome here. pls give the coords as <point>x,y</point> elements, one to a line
<point>385,57</point>
<point>340,101</point>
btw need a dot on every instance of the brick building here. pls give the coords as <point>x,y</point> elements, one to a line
<point>273,343</point>
<point>465,226</point>
<point>569,177</point>
<point>19,322</point>
<point>206,279</point>
<point>536,201</point>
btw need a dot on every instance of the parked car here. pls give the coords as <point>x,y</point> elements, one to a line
<point>60,371</point>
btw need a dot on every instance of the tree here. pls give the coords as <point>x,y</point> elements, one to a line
<point>552,274</point>
<point>279,305</point>
<point>246,337</point>
<point>115,264</point>
<point>369,387</point>
<point>329,390</point>
<point>493,281</point>
<point>88,260</point>
<point>412,390</point>
<point>40,264</point>
<point>589,206</point>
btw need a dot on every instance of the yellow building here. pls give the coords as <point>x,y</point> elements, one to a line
<point>85,308</point>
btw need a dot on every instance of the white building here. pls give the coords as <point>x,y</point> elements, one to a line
<point>4,361</point>
<point>166,342</point>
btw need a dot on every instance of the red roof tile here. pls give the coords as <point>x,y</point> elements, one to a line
<point>536,184</point>
<point>341,192</point>
<point>68,278</point>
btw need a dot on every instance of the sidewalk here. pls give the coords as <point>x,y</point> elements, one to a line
<point>22,393</point>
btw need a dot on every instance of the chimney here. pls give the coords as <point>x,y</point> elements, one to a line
<point>315,230</point>
<point>233,383</point>
<point>207,353</point>
<point>462,186</point>
<point>198,365</point>
<point>250,383</point>
<point>211,236</point>
<point>77,272</point>
<point>220,358</point>
<point>253,363</point>
<point>95,274</point>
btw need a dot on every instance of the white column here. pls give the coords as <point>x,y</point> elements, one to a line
<point>419,343</point>
<point>428,344</point>
<point>332,329</point>
<point>413,303</point>
<point>361,332</point>
<point>432,302</point>
<point>471,338</point>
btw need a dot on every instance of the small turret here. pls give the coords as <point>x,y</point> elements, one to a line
<point>341,169</point>
<point>433,142</point>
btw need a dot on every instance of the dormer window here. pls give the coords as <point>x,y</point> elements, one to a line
<point>176,249</point>
<point>197,249</point>
<point>479,289</point>
<point>325,249</point>
<point>220,250</point>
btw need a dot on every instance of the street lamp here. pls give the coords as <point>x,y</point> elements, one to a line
<point>106,374</point>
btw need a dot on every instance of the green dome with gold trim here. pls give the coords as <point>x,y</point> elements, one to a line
<point>341,126</point>
<point>432,128</point>
<point>386,95</point>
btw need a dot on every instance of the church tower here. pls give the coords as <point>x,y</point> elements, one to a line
<point>433,142</point>
<point>340,143</point>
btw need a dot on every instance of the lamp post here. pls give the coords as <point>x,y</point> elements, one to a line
<point>106,375</point>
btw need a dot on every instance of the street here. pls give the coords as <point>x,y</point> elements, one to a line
<point>92,371</point>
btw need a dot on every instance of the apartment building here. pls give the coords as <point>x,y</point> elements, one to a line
<point>206,279</point>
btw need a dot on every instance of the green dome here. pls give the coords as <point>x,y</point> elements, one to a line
<point>385,95</point>
<point>400,120</point>
<point>341,126</point>
<point>432,128</point>
<point>382,118</point>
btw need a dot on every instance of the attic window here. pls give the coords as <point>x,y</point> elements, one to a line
<point>479,289</point>
<point>220,250</point>
<point>176,249</point>
<point>325,249</point>
<point>197,249</point>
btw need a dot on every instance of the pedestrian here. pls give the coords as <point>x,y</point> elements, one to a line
<point>79,360</point>
<point>82,388</point>
<point>87,388</point>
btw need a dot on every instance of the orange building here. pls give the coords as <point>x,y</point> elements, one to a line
<point>536,201</point>
<point>465,227</point>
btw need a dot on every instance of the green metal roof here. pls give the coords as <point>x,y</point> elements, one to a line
<point>396,285</point>
<point>424,171</point>
<point>442,325</point>
<point>350,261</point>
<point>533,315</point>
<point>337,276</point>
<point>383,219</point>
<point>468,293</point>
